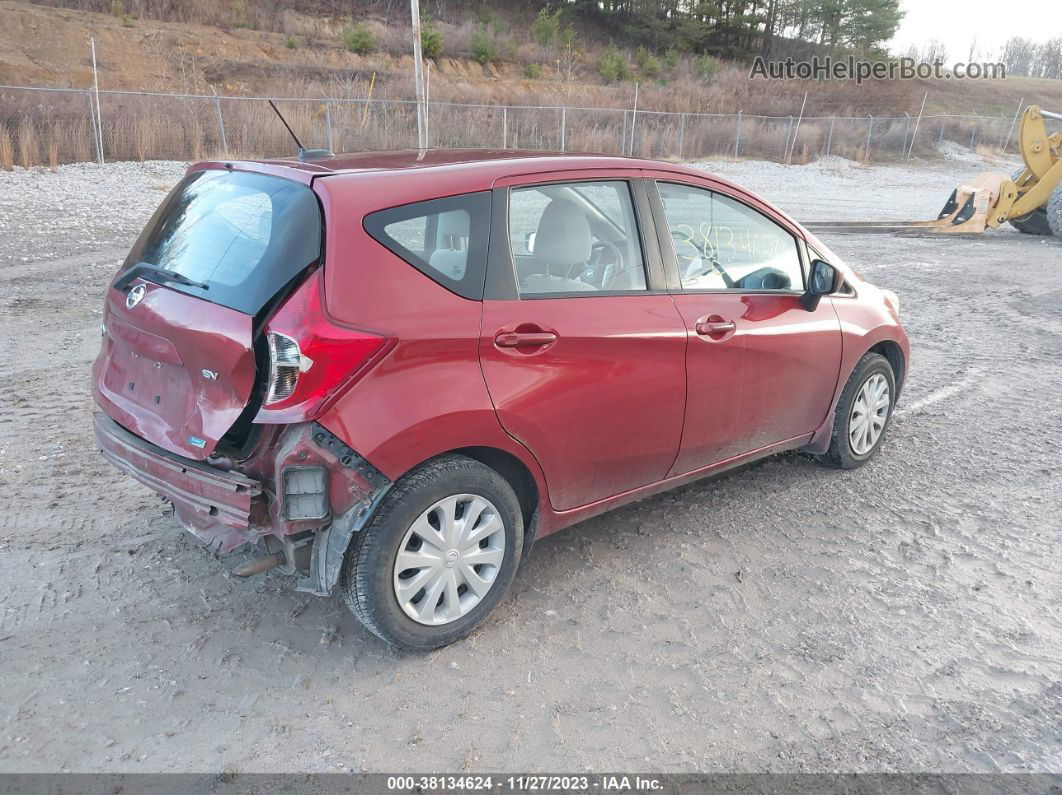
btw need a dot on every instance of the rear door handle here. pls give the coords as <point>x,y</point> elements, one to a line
<point>513,339</point>
<point>715,328</point>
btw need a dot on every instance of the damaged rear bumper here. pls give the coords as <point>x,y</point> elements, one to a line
<point>225,508</point>
<point>221,508</point>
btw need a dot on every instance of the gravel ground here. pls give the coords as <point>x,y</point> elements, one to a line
<point>903,617</point>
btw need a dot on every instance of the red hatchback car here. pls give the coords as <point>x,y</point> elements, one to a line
<point>395,371</point>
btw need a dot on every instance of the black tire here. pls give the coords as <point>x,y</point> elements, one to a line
<point>1035,223</point>
<point>1054,212</point>
<point>366,582</point>
<point>840,453</point>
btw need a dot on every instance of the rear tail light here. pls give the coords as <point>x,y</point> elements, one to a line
<point>311,360</point>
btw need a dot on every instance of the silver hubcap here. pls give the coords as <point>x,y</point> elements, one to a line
<point>869,414</point>
<point>449,559</point>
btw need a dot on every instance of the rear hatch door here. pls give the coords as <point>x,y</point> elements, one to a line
<point>177,365</point>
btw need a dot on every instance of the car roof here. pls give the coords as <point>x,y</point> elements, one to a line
<point>478,168</point>
<point>490,164</point>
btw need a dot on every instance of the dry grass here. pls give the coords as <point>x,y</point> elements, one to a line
<point>270,68</point>
<point>76,139</point>
<point>145,127</point>
<point>195,136</point>
<point>322,68</point>
<point>229,14</point>
<point>27,144</point>
<point>7,151</point>
<point>146,138</point>
<point>988,151</point>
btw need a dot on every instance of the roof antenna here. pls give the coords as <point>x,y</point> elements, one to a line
<point>304,153</point>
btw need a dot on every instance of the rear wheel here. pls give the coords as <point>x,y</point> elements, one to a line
<point>863,413</point>
<point>1054,212</point>
<point>437,556</point>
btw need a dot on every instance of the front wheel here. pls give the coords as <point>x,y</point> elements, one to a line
<point>863,413</point>
<point>1033,223</point>
<point>438,555</point>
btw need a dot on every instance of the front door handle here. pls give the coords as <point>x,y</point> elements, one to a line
<point>715,327</point>
<point>514,339</point>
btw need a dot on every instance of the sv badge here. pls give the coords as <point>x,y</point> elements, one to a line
<point>210,375</point>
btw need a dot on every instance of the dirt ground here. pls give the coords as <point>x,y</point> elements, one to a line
<point>903,617</point>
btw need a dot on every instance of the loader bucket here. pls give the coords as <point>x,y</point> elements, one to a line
<point>967,209</point>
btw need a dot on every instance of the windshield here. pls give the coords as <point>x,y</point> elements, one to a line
<point>237,238</point>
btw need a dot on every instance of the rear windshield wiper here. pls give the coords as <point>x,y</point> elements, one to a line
<point>161,274</point>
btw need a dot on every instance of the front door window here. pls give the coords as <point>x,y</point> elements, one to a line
<point>722,244</point>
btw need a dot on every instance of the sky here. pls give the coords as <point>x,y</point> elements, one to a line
<point>957,23</point>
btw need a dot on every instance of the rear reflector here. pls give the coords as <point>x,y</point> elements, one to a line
<point>311,360</point>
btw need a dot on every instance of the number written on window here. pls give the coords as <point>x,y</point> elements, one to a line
<point>722,244</point>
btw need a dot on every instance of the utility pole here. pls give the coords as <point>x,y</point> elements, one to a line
<point>634,117</point>
<point>1011,130</point>
<point>792,145</point>
<point>96,85</point>
<point>921,110</point>
<point>418,73</point>
<point>427,104</point>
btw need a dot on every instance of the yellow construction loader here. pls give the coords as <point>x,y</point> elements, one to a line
<point>1031,199</point>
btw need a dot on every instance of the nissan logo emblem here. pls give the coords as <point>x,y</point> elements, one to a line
<point>135,296</point>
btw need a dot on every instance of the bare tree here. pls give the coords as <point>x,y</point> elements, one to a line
<point>1018,55</point>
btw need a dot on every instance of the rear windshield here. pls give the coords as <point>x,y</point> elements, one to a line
<point>243,236</point>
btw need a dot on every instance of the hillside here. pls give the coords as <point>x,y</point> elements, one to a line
<point>47,46</point>
<point>481,67</point>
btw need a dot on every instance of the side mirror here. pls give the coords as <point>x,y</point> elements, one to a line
<point>529,241</point>
<point>823,280</point>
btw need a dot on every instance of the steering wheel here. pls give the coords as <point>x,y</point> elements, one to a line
<point>598,271</point>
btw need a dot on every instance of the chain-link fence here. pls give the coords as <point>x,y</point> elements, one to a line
<point>47,126</point>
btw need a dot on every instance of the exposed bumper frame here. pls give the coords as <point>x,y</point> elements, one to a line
<point>219,507</point>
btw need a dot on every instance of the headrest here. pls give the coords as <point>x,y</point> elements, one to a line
<point>454,223</point>
<point>563,236</point>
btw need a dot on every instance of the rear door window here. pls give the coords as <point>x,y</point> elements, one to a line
<point>241,236</point>
<point>575,237</point>
<point>445,239</point>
